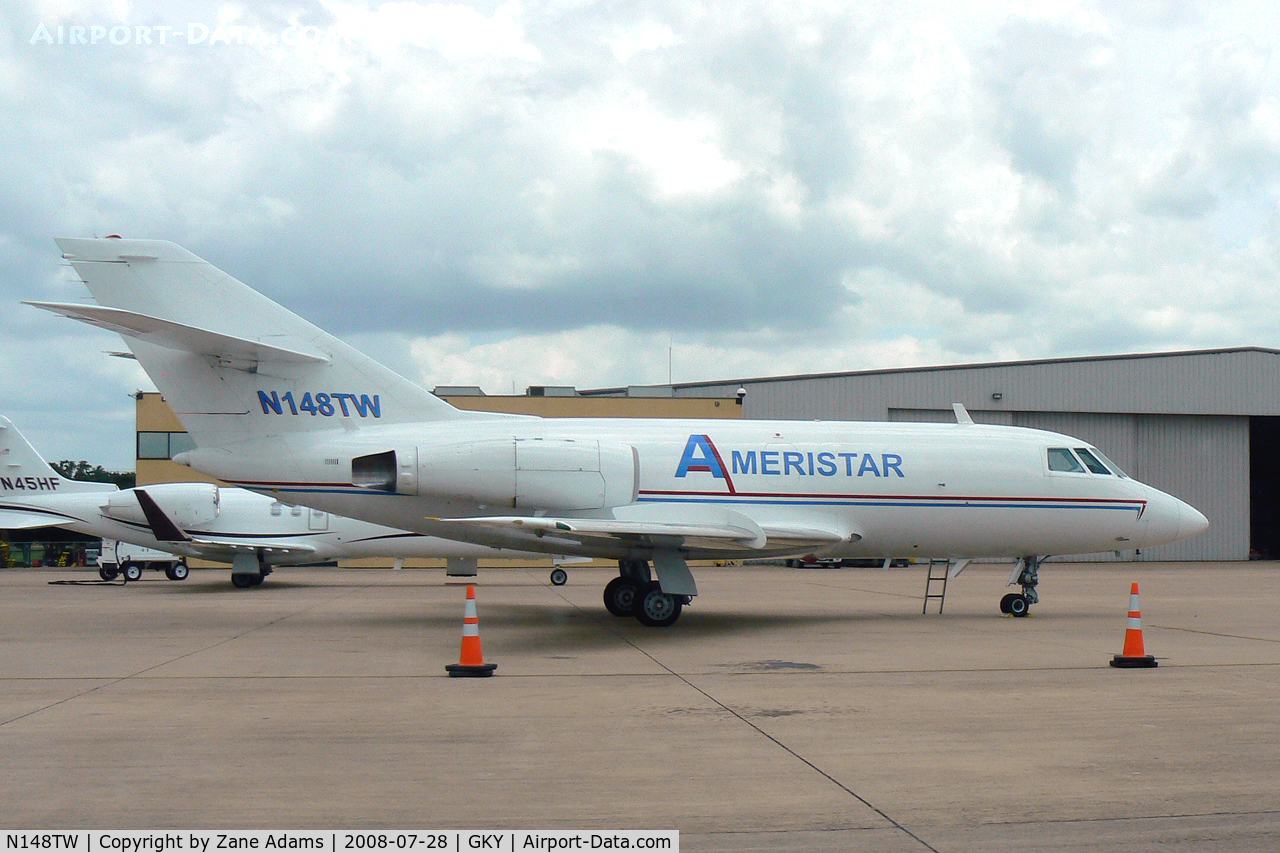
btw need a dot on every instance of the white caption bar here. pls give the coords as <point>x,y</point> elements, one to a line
<point>344,841</point>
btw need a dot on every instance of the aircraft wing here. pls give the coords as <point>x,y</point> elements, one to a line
<point>737,531</point>
<point>231,545</point>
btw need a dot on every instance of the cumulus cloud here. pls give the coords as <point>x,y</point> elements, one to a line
<point>551,193</point>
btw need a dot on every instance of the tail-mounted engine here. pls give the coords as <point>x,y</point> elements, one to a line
<point>559,474</point>
<point>187,504</point>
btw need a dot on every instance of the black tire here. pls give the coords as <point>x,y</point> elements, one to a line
<point>132,571</point>
<point>1004,602</point>
<point>620,596</point>
<point>178,572</point>
<point>241,581</point>
<point>1019,606</point>
<point>658,609</point>
<point>108,574</point>
<point>559,577</point>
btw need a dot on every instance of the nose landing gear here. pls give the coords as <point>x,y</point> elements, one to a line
<point>1027,575</point>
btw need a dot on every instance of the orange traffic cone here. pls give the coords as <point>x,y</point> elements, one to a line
<point>1135,653</point>
<point>472,663</point>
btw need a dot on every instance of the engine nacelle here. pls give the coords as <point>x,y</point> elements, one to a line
<point>187,504</point>
<point>534,473</point>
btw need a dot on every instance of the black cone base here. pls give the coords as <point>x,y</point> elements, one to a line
<point>1143,662</point>
<point>484,670</point>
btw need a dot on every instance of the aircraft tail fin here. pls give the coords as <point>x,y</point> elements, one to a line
<point>23,471</point>
<point>234,365</point>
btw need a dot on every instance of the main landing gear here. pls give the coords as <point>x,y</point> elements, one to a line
<point>635,593</point>
<point>248,570</point>
<point>1027,575</point>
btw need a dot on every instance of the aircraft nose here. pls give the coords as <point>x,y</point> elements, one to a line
<point>1191,521</point>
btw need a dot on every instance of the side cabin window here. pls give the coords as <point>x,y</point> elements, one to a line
<point>276,508</point>
<point>1062,459</point>
<point>1091,462</point>
<point>295,511</point>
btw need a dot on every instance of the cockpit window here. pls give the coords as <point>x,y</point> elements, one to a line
<point>1061,459</point>
<point>1105,461</point>
<point>1091,461</point>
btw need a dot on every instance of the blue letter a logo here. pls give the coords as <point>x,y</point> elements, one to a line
<point>701,455</point>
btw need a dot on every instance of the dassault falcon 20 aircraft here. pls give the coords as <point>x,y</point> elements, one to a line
<point>252,532</point>
<point>279,406</point>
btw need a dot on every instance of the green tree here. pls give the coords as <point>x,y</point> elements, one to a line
<point>82,470</point>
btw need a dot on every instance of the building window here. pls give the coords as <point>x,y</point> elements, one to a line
<point>163,445</point>
<point>153,445</point>
<point>180,442</point>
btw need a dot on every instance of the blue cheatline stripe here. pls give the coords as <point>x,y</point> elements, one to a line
<point>1048,503</point>
<point>799,500</point>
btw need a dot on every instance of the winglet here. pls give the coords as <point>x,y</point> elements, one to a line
<point>162,526</point>
<point>962,414</point>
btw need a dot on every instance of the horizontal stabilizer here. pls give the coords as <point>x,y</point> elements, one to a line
<point>178,336</point>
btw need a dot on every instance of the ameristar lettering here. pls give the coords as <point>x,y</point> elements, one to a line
<point>701,454</point>
<point>325,405</point>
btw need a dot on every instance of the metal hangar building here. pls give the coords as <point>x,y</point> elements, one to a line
<point>1202,425</point>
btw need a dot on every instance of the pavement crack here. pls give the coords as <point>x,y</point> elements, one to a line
<point>142,672</point>
<point>741,718</point>
<point>1215,634</point>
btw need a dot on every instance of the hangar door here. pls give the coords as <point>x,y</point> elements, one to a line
<point>1264,488</point>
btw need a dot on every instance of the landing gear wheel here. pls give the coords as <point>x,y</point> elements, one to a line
<point>1005,602</point>
<point>1019,606</point>
<point>132,571</point>
<point>108,574</point>
<point>178,572</point>
<point>243,581</point>
<point>658,609</point>
<point>559,577</point>
<point>620,597</point>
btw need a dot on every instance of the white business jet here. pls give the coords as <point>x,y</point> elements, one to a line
<point>281,407</point>
<point>252,532</point>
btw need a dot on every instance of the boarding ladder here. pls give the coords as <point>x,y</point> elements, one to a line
<point>935,585</point>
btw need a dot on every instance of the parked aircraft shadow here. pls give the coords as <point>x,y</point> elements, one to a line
<point>557,628</point>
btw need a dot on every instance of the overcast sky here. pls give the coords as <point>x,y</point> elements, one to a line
<point>507,194</point>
